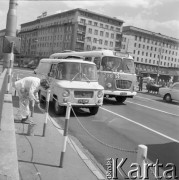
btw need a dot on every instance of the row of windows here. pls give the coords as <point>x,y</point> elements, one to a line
<point>95,40</point>
<point>48,38</point>
<point>155,49</point>
<point>143,39</point>
<point>155,56</point>
<point>101,33</point>
<point>57,29</point>
<point>101,25</point>
<point>88,47</point>
<point>155,62</point>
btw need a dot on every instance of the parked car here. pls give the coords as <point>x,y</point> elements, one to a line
<point>170,93</point>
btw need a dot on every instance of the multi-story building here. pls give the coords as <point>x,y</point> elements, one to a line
<point>2,34</point>
<point>153,53</point>
<point>77,29</point>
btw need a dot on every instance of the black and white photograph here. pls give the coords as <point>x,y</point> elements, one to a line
<point>89,89</point>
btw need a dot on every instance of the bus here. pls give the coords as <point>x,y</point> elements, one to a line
<point>116,71</point>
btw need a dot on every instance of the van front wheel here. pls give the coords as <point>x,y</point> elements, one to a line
<point>120,99</point>
<point>93,110</point>
<point>57,108</point>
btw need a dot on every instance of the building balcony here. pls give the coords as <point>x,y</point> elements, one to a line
<point>82,23</point>
<point>80,32</point>
<point>80,40</point>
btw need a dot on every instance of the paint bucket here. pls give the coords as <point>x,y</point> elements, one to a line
<point>31,128</point>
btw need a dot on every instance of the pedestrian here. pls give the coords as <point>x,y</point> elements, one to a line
<point>163,83</point>
<point>140,83</point>
<point>170,82</point>
<point>27,89</point>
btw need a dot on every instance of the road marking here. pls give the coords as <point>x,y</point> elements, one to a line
<point>153,108</point>
<point>161,134</point>
<point>24,70</point>
<point>144,98</point>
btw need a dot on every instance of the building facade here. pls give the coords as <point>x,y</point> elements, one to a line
<point>153,53</point>
<point>77,30</point>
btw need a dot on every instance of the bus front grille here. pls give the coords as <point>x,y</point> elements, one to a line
<point>83,94</point>
<point>123,84</point>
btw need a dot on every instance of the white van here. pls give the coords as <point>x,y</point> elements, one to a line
<point>71,80</point>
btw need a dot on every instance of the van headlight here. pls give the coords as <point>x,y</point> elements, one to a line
<point>66,93</point>
<point>109,85</point>
<point>100,94</point>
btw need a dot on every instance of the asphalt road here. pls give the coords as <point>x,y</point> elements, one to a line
<point>118,129</point>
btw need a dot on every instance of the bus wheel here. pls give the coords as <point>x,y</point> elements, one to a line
<point>93,110</point>
<point>120,99</point>
<point>58,109</point>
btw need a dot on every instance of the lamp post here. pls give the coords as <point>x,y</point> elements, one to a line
<point>159,59</point>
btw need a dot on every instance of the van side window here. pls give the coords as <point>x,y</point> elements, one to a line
<point>60,73</point>
<point>88,58</point>
<point>97,62</point>
<point>53,70</point>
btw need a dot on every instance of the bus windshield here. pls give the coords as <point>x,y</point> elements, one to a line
<point>128,66</point>
<point>110,63</point>
<point>73,71</point>
<point>117,64</point>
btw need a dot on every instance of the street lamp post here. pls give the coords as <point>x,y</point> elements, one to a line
<point>158,67</point>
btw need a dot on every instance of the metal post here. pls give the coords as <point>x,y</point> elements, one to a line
<point>32,111</point>
<point>65,133</point>
<point>141,157</point>
<point>10,69</point>
<point>17,78</point>
<point>46,114</point>
<point>159,58</point>
<point>11,28</point>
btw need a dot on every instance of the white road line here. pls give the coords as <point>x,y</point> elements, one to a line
<point>161,134</point>
<point>144,98</point>
<point>140,97</point>
<point>153,108</point>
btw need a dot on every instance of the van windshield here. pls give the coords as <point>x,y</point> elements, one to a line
<point>74,71</point>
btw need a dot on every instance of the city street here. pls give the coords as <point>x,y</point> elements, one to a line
<point>117,129</point>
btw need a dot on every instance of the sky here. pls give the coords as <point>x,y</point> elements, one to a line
<point>159,16</point>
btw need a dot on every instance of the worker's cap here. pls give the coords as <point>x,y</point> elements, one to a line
<point>44,83</point>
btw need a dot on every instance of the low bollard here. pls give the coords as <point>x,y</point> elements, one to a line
<point>32,111</point>
<point>65,133</point>
<point>141,157</point>
<point>46,113</point>
<point>17,78</point>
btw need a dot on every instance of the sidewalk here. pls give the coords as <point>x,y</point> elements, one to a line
<point>39,157</point>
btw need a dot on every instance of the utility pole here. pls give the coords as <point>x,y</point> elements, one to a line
<point>11,27</point>
<point>159,58</point>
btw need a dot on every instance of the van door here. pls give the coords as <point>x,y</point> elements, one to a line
<point>52,76</point>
